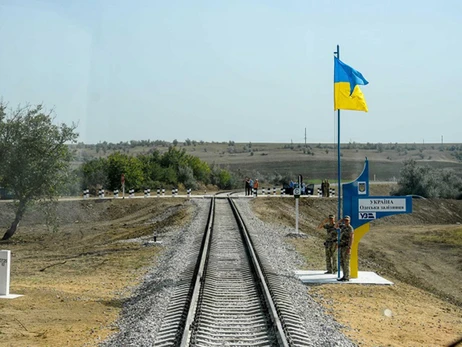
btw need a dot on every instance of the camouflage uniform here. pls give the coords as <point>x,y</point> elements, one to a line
<point>331,247</point>
<point>346,233</point>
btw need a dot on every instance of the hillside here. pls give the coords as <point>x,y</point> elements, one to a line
<point>313,161</point>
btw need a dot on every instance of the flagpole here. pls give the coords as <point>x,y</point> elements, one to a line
<point>339,179</point>
<point>339,167</point>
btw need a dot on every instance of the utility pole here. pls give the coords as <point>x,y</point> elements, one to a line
<point>305,138</point>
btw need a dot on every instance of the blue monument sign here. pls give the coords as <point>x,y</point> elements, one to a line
<point>363,208</point>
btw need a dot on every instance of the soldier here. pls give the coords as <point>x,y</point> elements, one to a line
<point>330,244</point>
<point>346,240</point>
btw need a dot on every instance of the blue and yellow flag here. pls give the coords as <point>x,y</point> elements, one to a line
<point>347,95</point>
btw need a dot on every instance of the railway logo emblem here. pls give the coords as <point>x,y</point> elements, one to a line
<point>367,215</point>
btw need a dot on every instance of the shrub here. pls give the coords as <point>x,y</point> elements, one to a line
<point>186,176</point>
<point>428,182</point>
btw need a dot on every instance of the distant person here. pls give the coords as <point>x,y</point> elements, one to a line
<point>247,186</point>
<point>323,188</point>
<point>255,187</point>
<point>346,240</point>
<point>250,186</point>
<point>327,185</point>
<point>291,187</point>
<point>330,244</point>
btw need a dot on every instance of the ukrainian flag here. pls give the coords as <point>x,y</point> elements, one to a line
<point>347,95</point>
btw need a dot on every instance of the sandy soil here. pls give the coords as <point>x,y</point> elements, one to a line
<point>75,280</point>
<point>398,315</point>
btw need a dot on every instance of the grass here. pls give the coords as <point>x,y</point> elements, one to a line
<point>315,171</point>
<point>447,237</point>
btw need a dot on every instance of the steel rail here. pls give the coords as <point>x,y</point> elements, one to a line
<point>261,278</point>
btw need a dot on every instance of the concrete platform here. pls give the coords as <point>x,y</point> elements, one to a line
<point>318,277</point>
<point>10,296</point>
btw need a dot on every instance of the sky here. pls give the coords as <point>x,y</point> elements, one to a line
<point>241,70</point>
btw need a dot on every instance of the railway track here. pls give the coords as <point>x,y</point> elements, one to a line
<point>225,298</point>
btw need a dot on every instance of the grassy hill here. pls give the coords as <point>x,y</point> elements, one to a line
<point>314,161</point>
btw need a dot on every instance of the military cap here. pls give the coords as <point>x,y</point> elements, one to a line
<point>347,218</point>
<point>331,216</point>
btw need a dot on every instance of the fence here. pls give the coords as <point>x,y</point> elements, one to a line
<point>331,192</point>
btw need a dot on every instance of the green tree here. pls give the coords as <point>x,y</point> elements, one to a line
<point>131,167</point>
<point>169,175</point>
<point>34,154</point>
<point>152,170</point>
<point>174,157</point>
<point>73,185</point>
<point>94,174</point>
<point>186,176</point>
<point>223,179</point>
<point>411,179</point>
<point>200,169</point>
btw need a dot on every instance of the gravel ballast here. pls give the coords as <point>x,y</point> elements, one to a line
<point>142,314</point>
<point>321,328</point>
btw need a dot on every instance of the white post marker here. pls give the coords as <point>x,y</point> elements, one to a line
<point>5,261</point>
<point>297,192</point>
